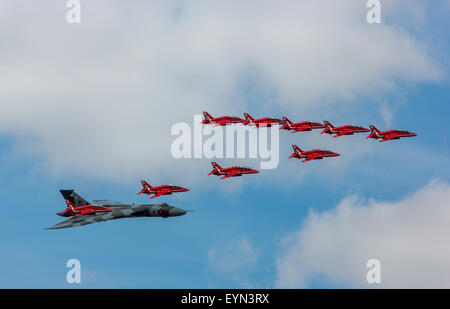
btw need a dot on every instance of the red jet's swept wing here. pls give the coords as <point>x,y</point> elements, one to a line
<point>343,130</point>
<point>316,154</point>
<point>233,171</point>
<point>388,135</point>
<point>221,121</point>
<point>300,126</point>
<point>262,122</point>
<point>160,190</point>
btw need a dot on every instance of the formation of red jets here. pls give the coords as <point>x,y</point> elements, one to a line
<point>285,124</point>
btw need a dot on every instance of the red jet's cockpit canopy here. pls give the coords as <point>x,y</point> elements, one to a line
<point>244,167</point>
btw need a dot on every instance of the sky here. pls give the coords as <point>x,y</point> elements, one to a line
<point>90,107</point>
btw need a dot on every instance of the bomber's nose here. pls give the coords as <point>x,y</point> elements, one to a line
<point>177,211</point>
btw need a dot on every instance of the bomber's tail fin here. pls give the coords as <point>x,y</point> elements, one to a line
<point>73,199</point>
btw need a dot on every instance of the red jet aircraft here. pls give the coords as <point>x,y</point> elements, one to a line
<point>262,122</point>
<point>160,190</point>
<point>343,130</point>
<point>233,171</point>
<point>316,154</point>
<point>221,121</point>
<point>300,126</point>
<point>388,135</point>
<point>77,206</point>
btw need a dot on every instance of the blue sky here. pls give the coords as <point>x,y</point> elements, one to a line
<point>63,129</point>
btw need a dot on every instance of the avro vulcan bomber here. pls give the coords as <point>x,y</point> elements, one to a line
<point>81,212</point>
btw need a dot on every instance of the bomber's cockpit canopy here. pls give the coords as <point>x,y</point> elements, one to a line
<point>166,205</point>
<point>105,203</point>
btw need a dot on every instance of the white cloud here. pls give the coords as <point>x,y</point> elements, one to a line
<point>387,114</point>
<point>233,260</point>
<point>409,237</point>
<point>98,99</point>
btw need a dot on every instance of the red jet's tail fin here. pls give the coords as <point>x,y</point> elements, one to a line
<point>248,117</point>
<point>297,152</point>
<point>145,187</point>
<point>287,120</point>
<point>329,125</point>
<point>145,184</point>
<point>216,168</point>
<point>287,124</point>
<point>373,129</point>
<point>215,165</point>
<point>374,132</point>
<point>296,148</point>
<point>207,115</point>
